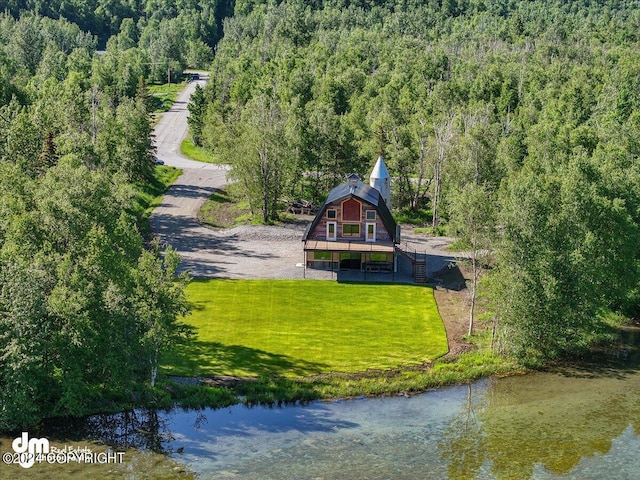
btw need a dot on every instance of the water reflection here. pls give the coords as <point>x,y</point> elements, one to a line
<point>539,426</point>
<point>142,429</point>
<point>558,422</point>
<point>240,432</point>
<point>464,443</point>
<point>576,423</point>
<point>550,425</point>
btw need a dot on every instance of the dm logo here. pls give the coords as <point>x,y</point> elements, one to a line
<point>27,449</point>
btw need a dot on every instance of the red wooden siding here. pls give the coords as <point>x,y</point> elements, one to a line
<point>320,230</point>
<point>351,210</point>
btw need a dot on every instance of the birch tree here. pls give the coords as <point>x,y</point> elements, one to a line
<point>568,250</point>
<point>473,216</point>
<point>444,132</point>
<point>261,159</point>
<point>421,134</point>
<point>159,302</point>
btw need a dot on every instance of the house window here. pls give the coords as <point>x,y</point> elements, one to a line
<point>331,213</point>
<point>331,230</point>
<point>350,230</point>
<point>371,214</point>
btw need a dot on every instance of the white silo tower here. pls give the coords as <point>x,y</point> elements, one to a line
<point>381,181</point>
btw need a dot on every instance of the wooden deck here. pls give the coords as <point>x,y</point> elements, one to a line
<point>352,246</point>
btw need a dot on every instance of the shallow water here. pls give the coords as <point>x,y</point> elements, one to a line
<point>576,424</point>
<point>537,426</point>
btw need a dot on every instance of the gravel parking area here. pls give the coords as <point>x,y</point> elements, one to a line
<point>250,252</point>
<point>256,251</point>
<point>276,252</point>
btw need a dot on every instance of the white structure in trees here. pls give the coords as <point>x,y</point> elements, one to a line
<point>381,181</point>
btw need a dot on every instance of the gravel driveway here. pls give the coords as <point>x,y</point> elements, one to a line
<point>242,252</point>
<point>247,251</point>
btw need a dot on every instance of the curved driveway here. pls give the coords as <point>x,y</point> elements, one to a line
<point>242,252</point>
<point>175,219</point>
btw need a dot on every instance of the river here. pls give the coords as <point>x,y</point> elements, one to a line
<point>574,423</point>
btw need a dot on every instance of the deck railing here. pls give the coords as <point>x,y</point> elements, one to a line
<point>418,261</point>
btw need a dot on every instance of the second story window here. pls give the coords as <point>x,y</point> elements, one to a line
<point>350,230</point>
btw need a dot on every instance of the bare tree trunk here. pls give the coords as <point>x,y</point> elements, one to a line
<point>154,367</point>
<point>436,189</point>
<point>444,134</point>
<point>472,293</point>
<point>264,180</point>
<point>493,333</point>
<point>422,160</point>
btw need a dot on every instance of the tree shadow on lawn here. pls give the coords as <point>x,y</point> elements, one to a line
<point>213,359</point>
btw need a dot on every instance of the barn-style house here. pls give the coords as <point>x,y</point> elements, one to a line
<point>354,228</point>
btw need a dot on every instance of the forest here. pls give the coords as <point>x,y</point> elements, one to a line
<point>88,302</point>
<point>511,125</point>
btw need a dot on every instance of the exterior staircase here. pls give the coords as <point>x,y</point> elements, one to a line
<point>420,271</point>
<point>418,262</point>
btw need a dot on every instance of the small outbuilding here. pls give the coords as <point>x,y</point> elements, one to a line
<point>354,228</point>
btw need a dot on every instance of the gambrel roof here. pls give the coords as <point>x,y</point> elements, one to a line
<point>362,192</point>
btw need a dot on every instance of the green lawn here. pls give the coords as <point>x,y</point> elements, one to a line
<point>296,328</point>
<point>189,150</point>
<point>163,96</point>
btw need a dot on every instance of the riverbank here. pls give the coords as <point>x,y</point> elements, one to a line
<point>218,392</point>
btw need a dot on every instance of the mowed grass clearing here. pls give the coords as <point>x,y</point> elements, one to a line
<point>294,328</point>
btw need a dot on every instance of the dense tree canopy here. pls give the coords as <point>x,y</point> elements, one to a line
<point>82,304</point>
<point>86,309</point>
<point>128,18</point>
